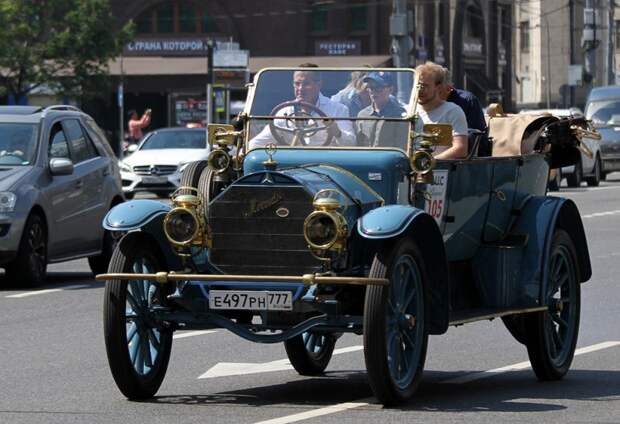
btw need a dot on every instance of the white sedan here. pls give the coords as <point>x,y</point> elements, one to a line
<point>155,166</point>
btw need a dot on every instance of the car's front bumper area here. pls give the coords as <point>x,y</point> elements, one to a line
<point>11,229</point>
<point>134,183</point>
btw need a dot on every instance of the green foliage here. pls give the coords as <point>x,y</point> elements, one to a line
<point>64,44</point>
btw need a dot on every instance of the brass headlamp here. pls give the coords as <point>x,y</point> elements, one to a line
<point>326,228</point>
<point>185,225</point>
<point>221,138</point>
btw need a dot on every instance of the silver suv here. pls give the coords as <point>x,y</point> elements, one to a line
<point>58,178</point>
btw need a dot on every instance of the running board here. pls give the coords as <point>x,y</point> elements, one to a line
<point>474,315</point>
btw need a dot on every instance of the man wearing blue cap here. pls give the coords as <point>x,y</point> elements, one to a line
<point>377,132</point>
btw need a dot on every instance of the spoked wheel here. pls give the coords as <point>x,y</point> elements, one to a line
<point>395,328</point>
<point>310,353</point>
<point>138,347</point>
<point>30,265</point>
<point>552,334</point>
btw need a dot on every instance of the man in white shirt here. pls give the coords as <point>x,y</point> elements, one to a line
<point>434,110</point>
<point>307,87</point>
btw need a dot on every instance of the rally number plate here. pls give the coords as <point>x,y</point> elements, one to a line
<point>251,300</point>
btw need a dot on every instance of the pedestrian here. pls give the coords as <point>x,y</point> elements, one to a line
<point>135,125</point>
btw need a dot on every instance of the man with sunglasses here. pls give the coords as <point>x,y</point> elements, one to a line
<point>378,132</point>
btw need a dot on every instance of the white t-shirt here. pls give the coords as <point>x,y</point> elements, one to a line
<point>330,107</point>
<point>445,113</point>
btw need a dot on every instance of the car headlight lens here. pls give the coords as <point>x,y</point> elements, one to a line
<point>125,167</point>
<point>181,226</point>
<point>322,230</point>
<point>219,161</point>
<point>7,201</point>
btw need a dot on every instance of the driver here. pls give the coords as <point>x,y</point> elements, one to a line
<point>307,87</point>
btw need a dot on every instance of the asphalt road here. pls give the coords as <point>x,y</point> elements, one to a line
<point>53,367</point>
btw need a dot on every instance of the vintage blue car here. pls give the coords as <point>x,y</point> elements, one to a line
<point>315,217</point>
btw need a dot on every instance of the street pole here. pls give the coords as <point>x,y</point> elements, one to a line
<point>571,4</point>
<point>400,48</point>
<point>589,39</point>
<point>611,68</point>
<point>121,109</point>
<point>548,77</point>
<point>210,81</point>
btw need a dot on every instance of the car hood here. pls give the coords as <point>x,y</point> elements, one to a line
<point>165,156</point>
<point>10,175</point>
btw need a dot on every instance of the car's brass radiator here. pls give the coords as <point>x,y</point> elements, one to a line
<point>259,230</point>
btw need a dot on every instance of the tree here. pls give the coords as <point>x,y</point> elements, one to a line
<point>63,44</point>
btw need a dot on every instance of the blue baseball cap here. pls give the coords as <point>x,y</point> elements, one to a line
<point>381,78</point>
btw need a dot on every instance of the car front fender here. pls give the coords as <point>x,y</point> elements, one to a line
<point>388,224</point>
<point>133,215</point>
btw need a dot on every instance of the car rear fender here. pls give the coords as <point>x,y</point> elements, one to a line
<point>387,224</point>
<point>539,219</point>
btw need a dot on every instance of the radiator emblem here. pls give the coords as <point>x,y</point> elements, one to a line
<point>282,212</point>
<point>257,207</point>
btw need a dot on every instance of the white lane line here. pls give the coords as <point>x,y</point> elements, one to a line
<point>38,292</point>
<point>597,214</point>
<point>192,334</point>
<point>522,365</point>
<point>228,369</point>
<point>589,189</point>
<point>332,409</point>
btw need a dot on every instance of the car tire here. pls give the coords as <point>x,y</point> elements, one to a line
<point>309,352</point>
<point>191,174</point>
<point>139,371</point>
<point>574,179</point>
<point>29,268</point>
<point>552,334</point>
<point>554,184</point>
<point>395,324</point>
<point>99,264</point>
<point>206,187</point>
<point>596,177</point>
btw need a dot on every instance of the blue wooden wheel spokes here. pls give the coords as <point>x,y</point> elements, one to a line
<point>143,340</point>
<point>314,343</point>
<point>404,321</point>
<point>560,320</point>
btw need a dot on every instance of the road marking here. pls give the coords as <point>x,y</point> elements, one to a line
<point>37,292</point>
<point>522,365</point>
<point>332,409</point>
<point>576,190</point>
<point>597,214</point>
<point>227,369</point>
<point>192,334</point>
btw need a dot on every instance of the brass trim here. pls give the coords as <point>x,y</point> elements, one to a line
<point>306,279</point>
<point>194,235</point>
<point>341,230</point>
<point>211,160</point>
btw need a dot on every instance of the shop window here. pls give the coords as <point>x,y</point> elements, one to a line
<point>187,18</point>
<point>144,23</point>
<point>524,36</point>
<point>208,24</point>
<point>319,19</point>
<point>475,22</point>
<point>617,32</point>
<point>165,19</point>
<point>358,14</point>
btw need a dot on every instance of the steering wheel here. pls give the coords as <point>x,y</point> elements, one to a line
<point>300,128</point>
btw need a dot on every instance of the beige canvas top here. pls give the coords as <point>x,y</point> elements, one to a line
<point>510,133</point>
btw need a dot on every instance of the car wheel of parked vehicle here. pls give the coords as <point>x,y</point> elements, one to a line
<point>191,174</point>
<point>596,178</point>
<point>552,334</point>
<point>395,327</point>
<point>574,179</point>
<point>555,179</point>
<point>99,264</point>
<point>309,352</point>
<point>138,346</point>
<point>30,265</point>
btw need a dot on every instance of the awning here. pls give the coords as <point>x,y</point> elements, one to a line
<point>143,66</point>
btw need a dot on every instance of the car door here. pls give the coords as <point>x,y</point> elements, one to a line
<point>90,171</point>
<point>64,197</point>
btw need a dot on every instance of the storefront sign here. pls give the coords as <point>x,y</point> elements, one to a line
<point>338,48</point>
<point>472,47</point>
<point>189,110</point>
<point>501,55</point>
<point>166,47</point>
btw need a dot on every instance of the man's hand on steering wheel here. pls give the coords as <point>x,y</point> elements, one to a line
<point>303,111</point>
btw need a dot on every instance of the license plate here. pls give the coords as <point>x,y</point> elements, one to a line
<point>154,180</point>
<point>251,300</point>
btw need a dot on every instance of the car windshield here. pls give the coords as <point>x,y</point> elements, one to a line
<point>604,112</point>
<point>366,107</point>
<point>18,144</point>
<point>180,139</point>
